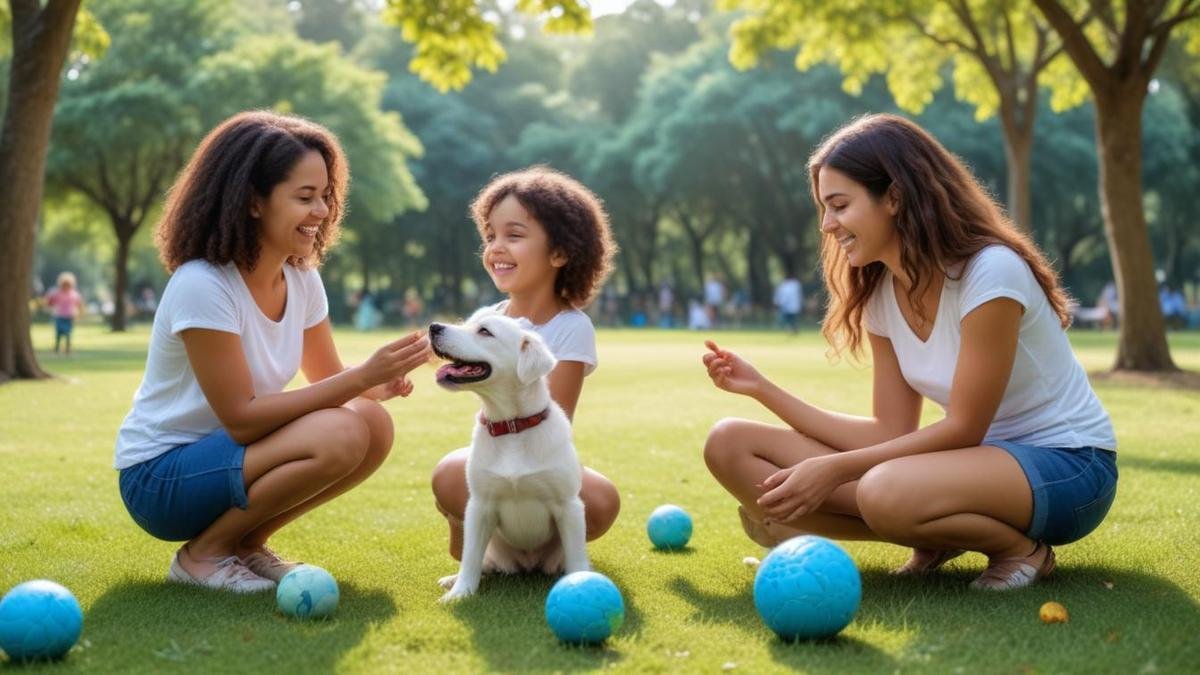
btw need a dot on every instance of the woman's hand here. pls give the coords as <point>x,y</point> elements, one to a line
<point>801,489</point>
<point>400,386</point>
<point>731,372</point>
<point>388,366</point>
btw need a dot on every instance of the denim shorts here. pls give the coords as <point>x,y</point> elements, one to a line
<point>178,494</point>
<point>1073,489</point>
<point>63,325</point>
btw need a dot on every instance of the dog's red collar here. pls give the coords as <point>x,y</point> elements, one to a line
<point>515,425</point>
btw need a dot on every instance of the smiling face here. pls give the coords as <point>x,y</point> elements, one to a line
<point>516,250</point>
<point>862,225</point>
<point>489,350</point>
<point>292,215</point>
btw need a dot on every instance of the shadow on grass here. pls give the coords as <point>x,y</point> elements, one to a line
<point>147,626</point>
<point>509,629</point>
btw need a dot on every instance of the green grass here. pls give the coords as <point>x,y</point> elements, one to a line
<point>1131,587</point>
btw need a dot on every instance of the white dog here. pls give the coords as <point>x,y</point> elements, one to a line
<point>523,476</point>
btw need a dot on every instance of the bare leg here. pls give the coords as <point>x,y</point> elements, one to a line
<point>601,501</point>
<point>742,453</point>
<point>283,470</point>
<point>379,427</point>
<point>976,499</point>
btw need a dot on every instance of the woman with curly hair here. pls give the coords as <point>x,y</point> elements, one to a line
<point>214,452</point>
<point>547,245</point>
<point>961,308</point>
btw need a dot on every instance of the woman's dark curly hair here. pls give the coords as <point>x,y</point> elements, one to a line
<point>575,223</point>
<point>207,215</point>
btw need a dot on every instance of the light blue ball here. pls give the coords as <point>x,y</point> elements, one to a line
<point>584,608</point>
<point>669,527</point>
<point>806,588</point>
<point>39,620</point>
<point>307,592</point>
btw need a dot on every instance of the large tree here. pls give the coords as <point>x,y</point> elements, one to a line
<point>1117,56</point>
<point>1000,54</point>
<point>41,37</point>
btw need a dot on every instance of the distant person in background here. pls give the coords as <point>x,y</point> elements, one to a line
<point>789,298</point>
<point>65,304</point>
<point>1112,302</point>
<point>698,318</point>
<point>414,308</point>
<point>666,305</point>
<point>714,297</point>
<point>1174,306</point>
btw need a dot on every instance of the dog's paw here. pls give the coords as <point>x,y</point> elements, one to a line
<point>458,592</point>
<point>447,582</point>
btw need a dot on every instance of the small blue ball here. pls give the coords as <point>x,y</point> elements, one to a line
<point>39,620</point>
<point>584,608</point>
<point>806,588</point>
<point>669,527</point>
<point>307,592</point>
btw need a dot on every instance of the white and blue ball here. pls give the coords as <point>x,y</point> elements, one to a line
<point>807,588</point>
<point>584,608</point>
<point>669,527</point>
<point>39,620</point>
<point>307,592</point>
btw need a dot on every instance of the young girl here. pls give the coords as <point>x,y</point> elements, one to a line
<point>959,307</point>
<point>214,452</point>
<point>66,303</point>
<point>547,245</point>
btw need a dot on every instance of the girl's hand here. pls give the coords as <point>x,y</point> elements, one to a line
<point>730,371</point>
<point>393,361</point>
<point>401,386</point>
<point>801,489</point>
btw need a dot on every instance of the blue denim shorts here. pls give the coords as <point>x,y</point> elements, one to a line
<point>1073,489</point>
<point>178,494</point>
<point>63,325</point>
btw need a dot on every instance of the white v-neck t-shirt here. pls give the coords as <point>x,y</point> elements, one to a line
<point>169,408</point>
<point>1048,402</point>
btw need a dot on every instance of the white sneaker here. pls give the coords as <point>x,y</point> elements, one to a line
<point>267,564</point>
<point>230,575</point>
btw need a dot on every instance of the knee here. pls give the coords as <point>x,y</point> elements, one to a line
<point>723,444</point>
<point>449,483</point>
<point>883,501</point>
<point>342,446</point>
<point>602,503</point>
<point>379,428</point>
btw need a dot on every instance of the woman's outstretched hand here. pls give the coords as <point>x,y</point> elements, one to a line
<point>799,490</point>
<point>731,372</point>
<point>386,372</point>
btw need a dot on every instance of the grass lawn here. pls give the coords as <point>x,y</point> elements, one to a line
<point>1132,587</point>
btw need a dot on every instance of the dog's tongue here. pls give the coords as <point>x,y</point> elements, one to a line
<point>458,370</point>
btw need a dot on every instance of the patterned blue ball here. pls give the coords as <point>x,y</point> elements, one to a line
<point>39,620</point>
<point>806,588</point>
<point>307,592</point>
<point>669,527</point>
<point>584,608</point>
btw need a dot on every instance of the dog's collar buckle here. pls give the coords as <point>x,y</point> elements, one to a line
<point>515,425</point>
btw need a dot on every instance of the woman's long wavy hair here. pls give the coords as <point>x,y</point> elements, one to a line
<point>207,215</point>
<point>944,218</point>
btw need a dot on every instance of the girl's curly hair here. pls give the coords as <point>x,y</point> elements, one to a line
<point>575,223</point>
<point>207,214</point>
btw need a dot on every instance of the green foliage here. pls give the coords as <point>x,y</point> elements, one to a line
<point>454,36</point>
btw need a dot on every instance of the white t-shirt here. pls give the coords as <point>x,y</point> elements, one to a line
<point>169,408</point>
<point>789,295</point>
<point>569,334</point>
<point>1048,401</point>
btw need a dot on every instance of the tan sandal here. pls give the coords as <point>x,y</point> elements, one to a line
<point>926,561</point>
<point>267,564</point>
<point>1006,574</point>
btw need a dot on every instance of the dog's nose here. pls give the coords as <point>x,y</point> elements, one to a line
<point>435,328</point>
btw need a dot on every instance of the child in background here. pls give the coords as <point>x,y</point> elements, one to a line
<point>547,245</point>
<point>65,303</point>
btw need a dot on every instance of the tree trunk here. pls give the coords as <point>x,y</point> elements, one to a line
<point>1143,339</point>
<point>120,315</point>
<point>1018,145</point>
<point>40,38</point>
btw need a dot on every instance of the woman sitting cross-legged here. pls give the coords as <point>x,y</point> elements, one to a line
<point>961,308</point>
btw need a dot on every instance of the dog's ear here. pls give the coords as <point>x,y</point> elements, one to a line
<point>535,360</point>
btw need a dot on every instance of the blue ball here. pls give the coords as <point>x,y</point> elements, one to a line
<point>39,620</point>
<point>307,592</point>
<point>669,527</point>
<point>584,608</point>
<point>806,588</point>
